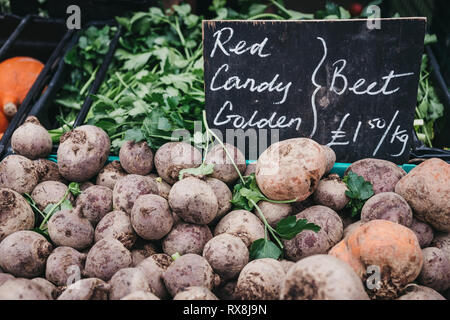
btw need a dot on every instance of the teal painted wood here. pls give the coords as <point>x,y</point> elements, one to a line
<point>339,168</point>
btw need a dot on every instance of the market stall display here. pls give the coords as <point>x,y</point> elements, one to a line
<point>99,201</point>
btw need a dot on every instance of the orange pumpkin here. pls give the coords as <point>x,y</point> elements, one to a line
<point>17,76</point>
<point>3,123</point>
<point>388,247</point>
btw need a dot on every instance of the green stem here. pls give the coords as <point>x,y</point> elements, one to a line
<point>124,84</point>
<point>223,146</point>
<point>207,146</point>
<point>266,15</point>
<point>281,201</point>
<point>266,224</point>
<point>425,131</point>
<point>33,205</point>
<point>180,35</point>
<point>88,83</point>
<point>50,213</point>
<point>281,8</point>
<point>116,135</point>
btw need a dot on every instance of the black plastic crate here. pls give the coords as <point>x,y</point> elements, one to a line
<point>39,38</point>
<point>42,107</point>
<point>8,24</point>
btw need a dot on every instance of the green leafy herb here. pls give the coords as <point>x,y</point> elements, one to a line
<point>74,188</point>
<point>289,227</point>
<point>202,170</point>
<point>154,85</point>
<point>263,248</point>
<point>246,193</point>
<point>83,61</point>
<point>50,209</point>
<point>359,191</point>
<point>429,107</point>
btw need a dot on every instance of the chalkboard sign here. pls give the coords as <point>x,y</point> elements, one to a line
<point>342,83</point>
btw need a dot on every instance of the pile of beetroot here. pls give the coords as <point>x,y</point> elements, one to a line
<point>166,224</point>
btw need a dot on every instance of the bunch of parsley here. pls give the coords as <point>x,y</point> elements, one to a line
<point>429,107</point>
<point>155,83</point>
<point>83,61</point>
<point>359,191</point>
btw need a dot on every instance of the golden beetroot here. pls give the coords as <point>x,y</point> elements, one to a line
<point>427,190</point>
<point>17,76</point>
<point>291,169</point>
<point>387,247</point>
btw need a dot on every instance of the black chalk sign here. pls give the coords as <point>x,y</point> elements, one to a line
<point>348,84</point>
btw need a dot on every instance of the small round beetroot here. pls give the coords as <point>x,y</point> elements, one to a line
<point>110,174</point>
<point>260,280</point>
<point>227,255</point>
<point>331,193</point>
<point>15,213</point>
<point>95,202</point>
<point>126,281</point>
<point>243,224</point>
<point>23,289</point>
<point>387,206</point>
<point>224,169</point>
<point>63,264</point>
<point>18,173</point>
<point>136,157</point>
<point>116,225</point>
<point>273,212</point>
<point>151,217</point>
<point>186,238</point>
<point>82,152</point>
<point>49,192</point>
<point>382,174</point>
<point>127,190</point>
<point>69,228</point>
<point>105,258</point>
<point>423,231</point>
<point>24,254</point>
<point>194,201</point>
<point>154,267</point>
<point>86,289</point>
<point>173,157</point>
<point>308,242</point>
<point>187,271</point>
<point>31,140</point>
<point>195,293</point>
